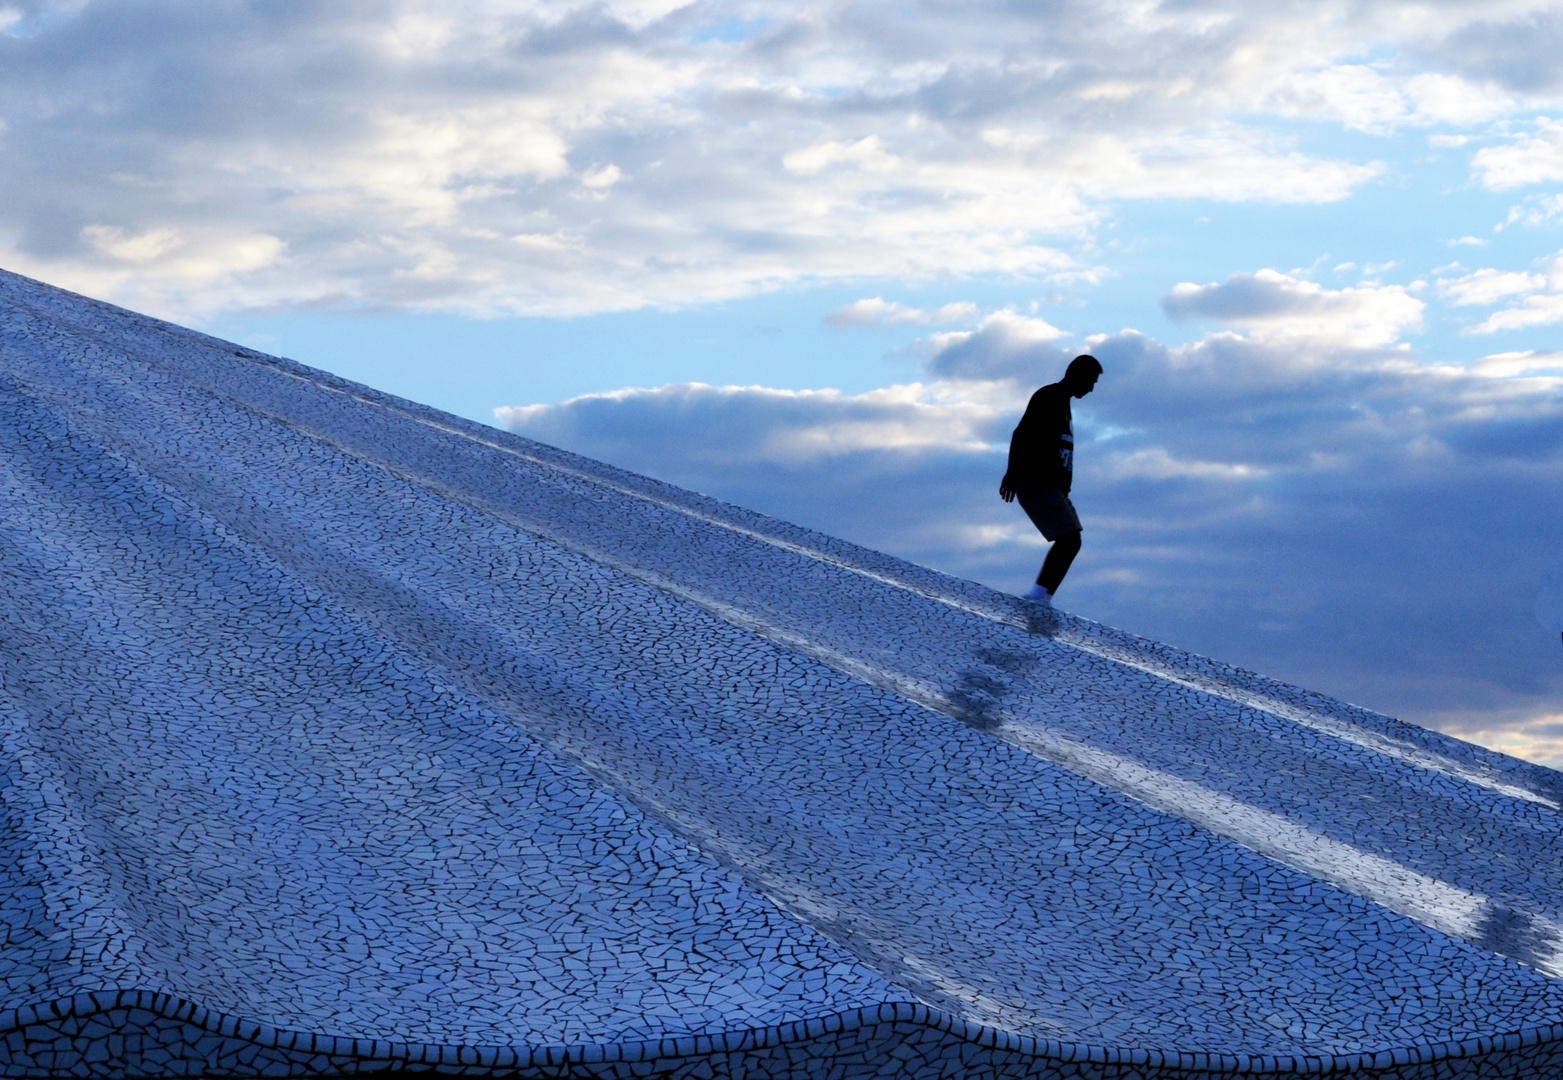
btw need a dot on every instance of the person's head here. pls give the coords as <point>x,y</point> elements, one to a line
<point>1081,375</point>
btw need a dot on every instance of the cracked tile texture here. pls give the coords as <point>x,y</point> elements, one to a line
<point>341,734</point>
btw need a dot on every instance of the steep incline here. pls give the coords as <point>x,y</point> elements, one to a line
<point>340,732</point>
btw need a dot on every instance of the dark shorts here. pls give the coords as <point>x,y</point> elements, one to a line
<point>1050,511</point>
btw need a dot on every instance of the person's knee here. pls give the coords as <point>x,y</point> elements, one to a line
<point>1070,541</point>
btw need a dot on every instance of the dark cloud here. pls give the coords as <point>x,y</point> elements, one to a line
<point>1519,53</point>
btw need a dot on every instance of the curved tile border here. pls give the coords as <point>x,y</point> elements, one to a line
<point>142,1032</point>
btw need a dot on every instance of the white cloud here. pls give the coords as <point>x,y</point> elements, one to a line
<point>1451,99</point>
<point>1534,311</point>
<point>1542,302</point>
<point>604,177</point>
<point>1271,303</point>
<point>392,152</point>
<point>141,269</point>
<point>1182,165</point>
<point>145,247</point>
<point>867,154</point>
<point>1155,463</point>
<point>1507,365</point>
<point>1368,98</point>
<point>1490,286</point>
<point>1536,210</point>
<point>1529,159</point>
<point>875,311</point>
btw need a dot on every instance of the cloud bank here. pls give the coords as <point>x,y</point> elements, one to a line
<point>557,157</point>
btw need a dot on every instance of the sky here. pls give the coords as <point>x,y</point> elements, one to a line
<point>813,257</point>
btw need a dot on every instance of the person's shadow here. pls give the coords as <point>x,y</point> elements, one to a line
<point>1036,618</point>
<point>977,696</point>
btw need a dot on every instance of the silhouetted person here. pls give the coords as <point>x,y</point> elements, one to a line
<point>1042,467</point>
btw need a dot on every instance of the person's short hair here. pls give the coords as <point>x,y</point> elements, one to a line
<point>1083,364</point>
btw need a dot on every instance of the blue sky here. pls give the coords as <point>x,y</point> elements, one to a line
<point>813,258</point>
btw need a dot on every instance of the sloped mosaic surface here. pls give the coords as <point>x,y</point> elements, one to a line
<point>341,734</point>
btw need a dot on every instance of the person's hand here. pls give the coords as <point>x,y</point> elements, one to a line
<point>1006,492</point>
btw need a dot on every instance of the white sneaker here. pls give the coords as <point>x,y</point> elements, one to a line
<point>1038,594</point>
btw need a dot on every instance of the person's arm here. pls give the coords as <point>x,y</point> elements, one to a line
<point>1019,449</point>
<point>1007,485</point>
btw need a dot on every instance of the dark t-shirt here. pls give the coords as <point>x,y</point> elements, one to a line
<point>1042,450</point>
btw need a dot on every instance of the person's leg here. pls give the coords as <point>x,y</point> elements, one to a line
<point>1055,518</point>
<point>1059,556</point>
